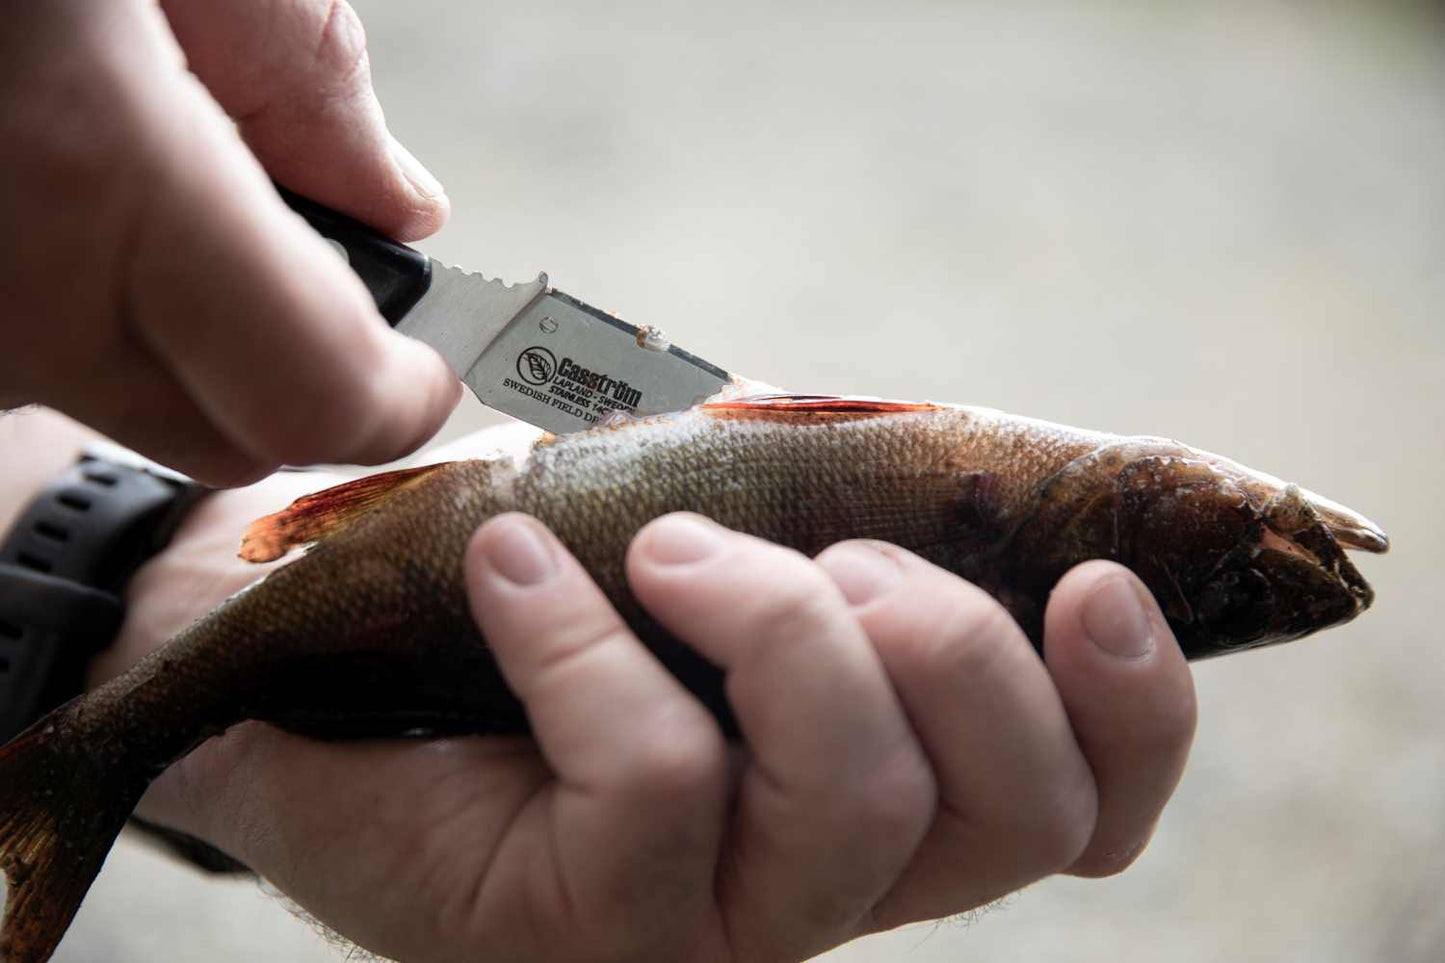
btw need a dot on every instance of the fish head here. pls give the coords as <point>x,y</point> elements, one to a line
<point>1236,559</point>
<point>1240,559</point>
<point>1276,584</point>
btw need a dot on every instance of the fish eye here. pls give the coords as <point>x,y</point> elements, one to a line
<point>1236,607</point>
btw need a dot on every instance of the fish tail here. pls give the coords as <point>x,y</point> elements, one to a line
<point>60,812</point>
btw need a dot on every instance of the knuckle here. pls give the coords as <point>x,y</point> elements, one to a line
<point>573,638</point>
<point>75,118</point>
<point>965,641</point>
<point>799,601</point>
<point>1059,830</point>
<point>682,760</point>
<point>308,56</point>
<point>341,47</point>
<point>899,799</point>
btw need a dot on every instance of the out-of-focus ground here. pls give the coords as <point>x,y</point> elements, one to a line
<point>1221,222</point>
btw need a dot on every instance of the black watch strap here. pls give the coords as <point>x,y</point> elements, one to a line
<point>63,571</point>
<point>63,568</point>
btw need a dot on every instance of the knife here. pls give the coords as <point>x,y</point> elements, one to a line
<point>524,349</point>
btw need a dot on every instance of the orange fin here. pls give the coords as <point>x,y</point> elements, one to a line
<point>310,517</point>
<point>815,404</point>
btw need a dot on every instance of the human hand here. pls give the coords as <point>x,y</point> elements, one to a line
<point>156,288</point>
<point>906,756</point>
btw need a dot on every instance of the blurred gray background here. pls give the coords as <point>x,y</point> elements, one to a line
<point>1222,222</point>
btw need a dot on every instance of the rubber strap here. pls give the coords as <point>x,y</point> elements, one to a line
<point>62,570</point>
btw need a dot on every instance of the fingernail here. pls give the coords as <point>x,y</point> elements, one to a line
<point>516,550</point>
<point>681,539</point>
<point>862,572</point>
<point>422,179</point>
<point>1115,620</point>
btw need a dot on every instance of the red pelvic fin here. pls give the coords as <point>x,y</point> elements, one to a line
<point>787,404</point>
<point>312,516</point>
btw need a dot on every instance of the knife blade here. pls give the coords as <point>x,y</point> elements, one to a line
<point>526,349</point>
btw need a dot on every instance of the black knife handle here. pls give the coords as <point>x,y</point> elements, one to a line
<point>396,275</point>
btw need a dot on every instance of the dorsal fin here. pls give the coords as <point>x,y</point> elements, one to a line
<point>310,517</point>
<point>785,404</point>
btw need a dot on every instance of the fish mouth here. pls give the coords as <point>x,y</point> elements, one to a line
<point>1289,578</point>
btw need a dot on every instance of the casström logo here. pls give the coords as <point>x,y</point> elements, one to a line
<point>536,365</point>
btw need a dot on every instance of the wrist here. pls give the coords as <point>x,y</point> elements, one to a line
<point>76,533</point>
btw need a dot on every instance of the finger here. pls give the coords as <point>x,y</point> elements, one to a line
<point>1016,798</point>
<point>641,765</point>
<point>1130,697</point>
<point>269,333</point>
<point>837,793</point>
<point>295,75</point>
<point>124,393</point>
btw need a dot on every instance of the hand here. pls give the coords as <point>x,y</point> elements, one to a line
<point>155,286</point>
<point>906,755</point>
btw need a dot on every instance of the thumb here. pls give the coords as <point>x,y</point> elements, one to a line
<point>296,77</point>
<point>1130,699</point>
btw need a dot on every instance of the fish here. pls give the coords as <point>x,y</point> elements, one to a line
<point>368,633</point>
